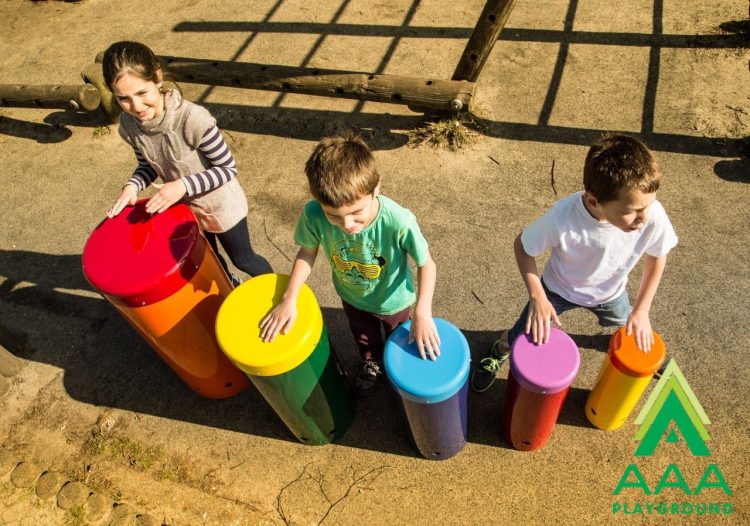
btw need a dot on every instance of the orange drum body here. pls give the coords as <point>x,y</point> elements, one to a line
<point>160,273</point>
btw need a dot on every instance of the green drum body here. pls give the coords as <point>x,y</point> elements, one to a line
<point>298,373</point>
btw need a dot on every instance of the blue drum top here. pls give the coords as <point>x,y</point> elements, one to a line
<point>426,381</point>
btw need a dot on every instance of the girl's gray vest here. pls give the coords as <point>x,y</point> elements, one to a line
<point>170,145</point>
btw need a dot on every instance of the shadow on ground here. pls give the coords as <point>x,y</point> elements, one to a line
<point>734,170</point>
<point>52,316</point>
<point>42,133</point>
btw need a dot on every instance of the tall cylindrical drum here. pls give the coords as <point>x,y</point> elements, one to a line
<point>298,373</point>
<point>160,273</point>
<point>433,393</point>
<point>624,376</point>
<point>539,380</point>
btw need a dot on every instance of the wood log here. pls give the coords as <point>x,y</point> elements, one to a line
<point>93,75</point>
<point>76,97</point>
<point>482,39</point>
<point>415,92</point>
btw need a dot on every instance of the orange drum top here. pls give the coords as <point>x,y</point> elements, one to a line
<point>628,358</point>
<point>141,258</point>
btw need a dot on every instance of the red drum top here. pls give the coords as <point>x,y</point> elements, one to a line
<point>141,258</point>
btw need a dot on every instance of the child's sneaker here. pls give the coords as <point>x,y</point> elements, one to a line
<point>367,379</point>
<point>236,281</point>
<point>484,375</point>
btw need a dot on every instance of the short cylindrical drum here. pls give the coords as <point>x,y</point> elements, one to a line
<point>539,380</point>
<point>433,393</point>
<point>297,373</point>
<point>624,376</point>
<point>160,273</point>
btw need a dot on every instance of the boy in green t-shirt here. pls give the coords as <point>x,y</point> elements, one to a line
<point>366,238</point>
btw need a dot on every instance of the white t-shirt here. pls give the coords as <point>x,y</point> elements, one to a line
<point>590,261</point>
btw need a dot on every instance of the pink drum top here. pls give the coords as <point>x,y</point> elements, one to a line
<point>547,368</point>
<point>141,258</point>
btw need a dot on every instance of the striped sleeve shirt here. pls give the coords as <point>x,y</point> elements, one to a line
<point>223,167</point>
<point>214,148</point>
<point>143,175</point>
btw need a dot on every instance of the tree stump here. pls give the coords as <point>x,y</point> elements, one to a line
<point>24,475</point>
<point>72,494</point>
<point>49,484</point>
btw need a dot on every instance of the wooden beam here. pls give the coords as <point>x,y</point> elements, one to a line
<point>483,38</point>
<point>415,92</point>
<point>76,97</point>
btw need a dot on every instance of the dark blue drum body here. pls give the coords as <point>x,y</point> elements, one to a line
<point>433,393</point>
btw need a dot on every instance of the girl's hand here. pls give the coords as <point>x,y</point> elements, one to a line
<point>168,194</point>
<point>128,196</point>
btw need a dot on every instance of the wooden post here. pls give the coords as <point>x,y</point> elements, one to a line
<point>419,93</point>
<point>76,97</point>
<point>483,38</point>
<point>93,75</point>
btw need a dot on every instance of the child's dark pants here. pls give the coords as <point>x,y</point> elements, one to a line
<point>366,328</point>
<point>236,243</point>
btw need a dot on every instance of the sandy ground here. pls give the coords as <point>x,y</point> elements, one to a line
<point>91,401</point>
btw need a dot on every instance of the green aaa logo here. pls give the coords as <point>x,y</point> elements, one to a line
<point>672,402</point>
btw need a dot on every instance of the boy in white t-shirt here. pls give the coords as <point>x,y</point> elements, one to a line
<point>596,237</point>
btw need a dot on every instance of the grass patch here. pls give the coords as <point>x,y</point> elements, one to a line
<point>92,480</point>
<point>75,516</point>
<point>117,495</point>
<point>451,134</point>
<point>100,131</point>
<point>122,449</point>
<point>174,470</point>
<point>132,453</point>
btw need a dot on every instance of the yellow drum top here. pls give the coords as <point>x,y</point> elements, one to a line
<point>238,327</point>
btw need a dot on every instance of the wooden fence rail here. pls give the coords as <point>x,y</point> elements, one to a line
<point>415,92</point>
<point>77,97</point>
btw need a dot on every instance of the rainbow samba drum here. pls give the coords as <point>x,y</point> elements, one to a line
<point>433,393</point>
<point>539,380</point>
<point>298,373</point>
<point>160,273</point>
<point>624,376</point>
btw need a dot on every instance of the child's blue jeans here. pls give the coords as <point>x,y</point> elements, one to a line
<point>611,314</point>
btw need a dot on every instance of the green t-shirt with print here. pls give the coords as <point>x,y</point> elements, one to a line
<point>370,269</point>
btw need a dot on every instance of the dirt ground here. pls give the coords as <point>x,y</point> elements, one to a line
<point>88,399</point>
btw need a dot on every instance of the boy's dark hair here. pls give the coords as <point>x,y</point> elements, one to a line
<point>341,170</point>
<point>129,57</point>
<point>619,161</point>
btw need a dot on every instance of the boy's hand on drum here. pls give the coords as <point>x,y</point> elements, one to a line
<point>128,196</point>
<point>539,319</point>
<point>639,324</point>
<point>168,194</point>
<point>280,319</point>
<point>424,332</point>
